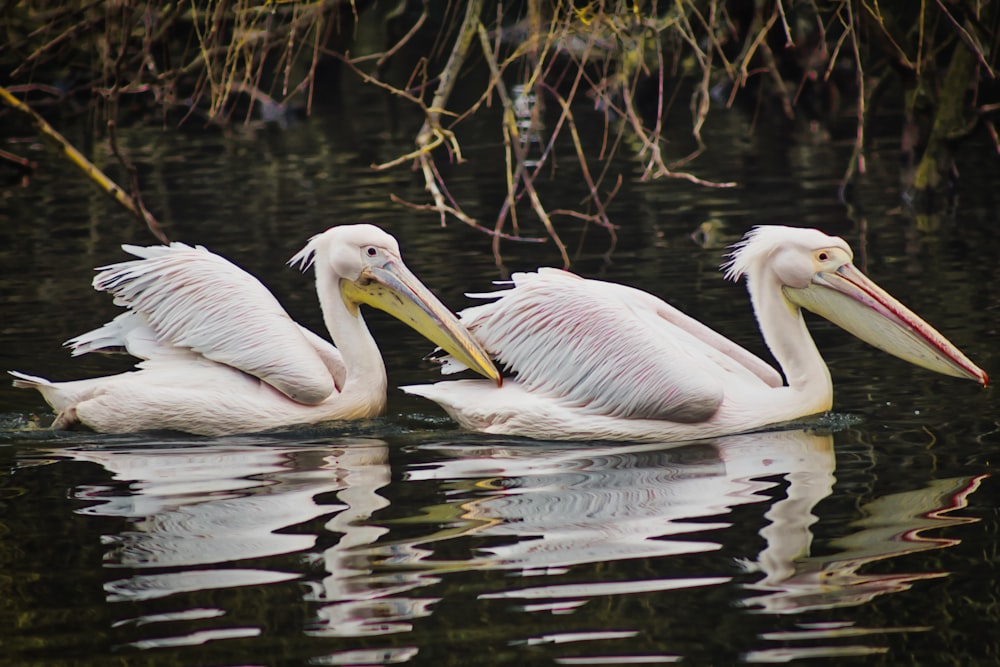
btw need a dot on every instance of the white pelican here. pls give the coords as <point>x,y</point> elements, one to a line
<point>596,360</point>
<point>221,356</point>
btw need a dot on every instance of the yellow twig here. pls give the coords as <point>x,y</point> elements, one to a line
<point>85,165</point>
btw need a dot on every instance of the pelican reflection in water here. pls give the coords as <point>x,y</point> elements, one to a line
<point>198,515</point>
<point>221,356</point>
<point>597,360</point>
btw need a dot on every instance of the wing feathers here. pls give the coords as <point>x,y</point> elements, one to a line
<point>581,340</point>
<point>192,298</point>
<point>718,348</point>
<point>610,349</point>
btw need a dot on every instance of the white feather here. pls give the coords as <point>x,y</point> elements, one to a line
<point>562,336</point>
<point>194,299</point>
<point>607,348</point>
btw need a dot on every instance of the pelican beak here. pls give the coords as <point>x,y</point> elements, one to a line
<point>393,288</point>
<point>852,301</point>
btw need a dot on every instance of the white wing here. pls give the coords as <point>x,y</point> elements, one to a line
<point>185,297</point>
<point>727,354</point>
<point>610,349</point>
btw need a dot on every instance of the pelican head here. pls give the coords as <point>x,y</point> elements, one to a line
<point>816,272</point>
<point>365,264</point>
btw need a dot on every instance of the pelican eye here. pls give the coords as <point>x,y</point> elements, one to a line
<point>372,251</point>
<point>822,255</point>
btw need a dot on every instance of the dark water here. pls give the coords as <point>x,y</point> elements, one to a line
<point>870,538</point>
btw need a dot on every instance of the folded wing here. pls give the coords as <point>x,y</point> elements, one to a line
<point>610,349</point>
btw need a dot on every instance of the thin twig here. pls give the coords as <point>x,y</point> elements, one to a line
<point>510,128</point>
<point>857,162</point>
<point>969,39</point>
